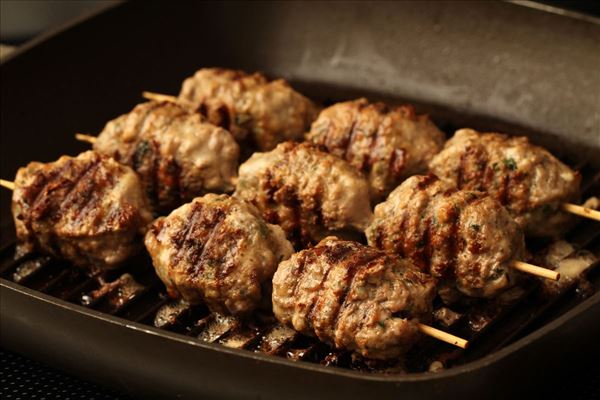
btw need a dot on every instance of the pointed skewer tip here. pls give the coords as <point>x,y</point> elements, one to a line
<point>85,138</point>
<point>7,184</point>
<point>581,211</point>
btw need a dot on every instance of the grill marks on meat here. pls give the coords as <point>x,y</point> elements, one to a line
<point>249,105</point>
<point>308,192</point>
<point>176,155</point>
<point>387,144</point>
<point>88,209</point>
<point>217,250</point>
<point>350,296</point>
<point>458,235</point>
<point>530,182</point>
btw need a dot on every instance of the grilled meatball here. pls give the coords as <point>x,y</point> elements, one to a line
<point>353,297</point>
<point>307,192</point>
<point>217,250</point>
<point>176,155</point>
<point>461,236</point>
<point>89,210</point>
<point>388,144</point>
<point>250,106</point>
<point>529,181</point>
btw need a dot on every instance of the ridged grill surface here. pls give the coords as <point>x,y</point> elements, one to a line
<point>135,293</point>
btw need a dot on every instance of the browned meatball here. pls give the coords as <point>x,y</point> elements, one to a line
<point>388,144</point>
<point>308,192</point>
<point>529,181</point>
<point>353,297</point>
<point>217,250</point>
<point>250,106</point>
<point>176,155</point>
<point>461,236</point>
<point>88,210</point>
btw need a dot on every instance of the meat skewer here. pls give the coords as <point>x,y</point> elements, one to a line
<point>218,250</point>
<point>462,237</point>
<point>311,194</point>
<point>357,298</point>
<point>250,106</point>
<point>566,207</point>
<point>531,183</point>
<point>175,153</point>
<point>89,210</point>
<point>387,144</point>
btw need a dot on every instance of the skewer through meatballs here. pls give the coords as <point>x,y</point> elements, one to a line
<point>217,250</point>
<point>175,153</point>
<point>89,210</point>
<point>529,181</point>
<point>458,236</point>
<point>387,144</point>
<point>309,193</point>
<point>249,105</point>
<point>353,297</point>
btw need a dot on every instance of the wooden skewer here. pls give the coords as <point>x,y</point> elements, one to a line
<point>571,208</point>
<point>443,336</point>
<point>535,270</point>
<point>426,329</point>
<point>85,138</point>
<point>159,97</point>
<point>519,265</point>
<point>581,211</point>
<point>7,184</point>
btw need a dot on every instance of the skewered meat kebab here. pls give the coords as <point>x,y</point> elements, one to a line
<point>531,183</point>
<point>390,144</point>
<point>217,250</point>
<point>89,210</point>
<point>248,105</point>
<point>175,153</point>
<point>354,297</point>
<point>387,144</point>
<point>308,192</point>
<point>459,236</point>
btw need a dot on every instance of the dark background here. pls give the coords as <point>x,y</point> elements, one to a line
<point>20,20</point>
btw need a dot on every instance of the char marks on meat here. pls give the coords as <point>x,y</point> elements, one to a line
<point>457,235</point>
<point>353,297</point>
<point>175,153</point>
<point>88,209</point>
<point>308,192</point>
<point>387,144</point>
<point>217,250</point>
<point>249,105</point>
<point>529,181</point>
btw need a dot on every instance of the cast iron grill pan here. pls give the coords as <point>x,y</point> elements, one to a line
<point>134,293</point>
<point>121,329</point>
